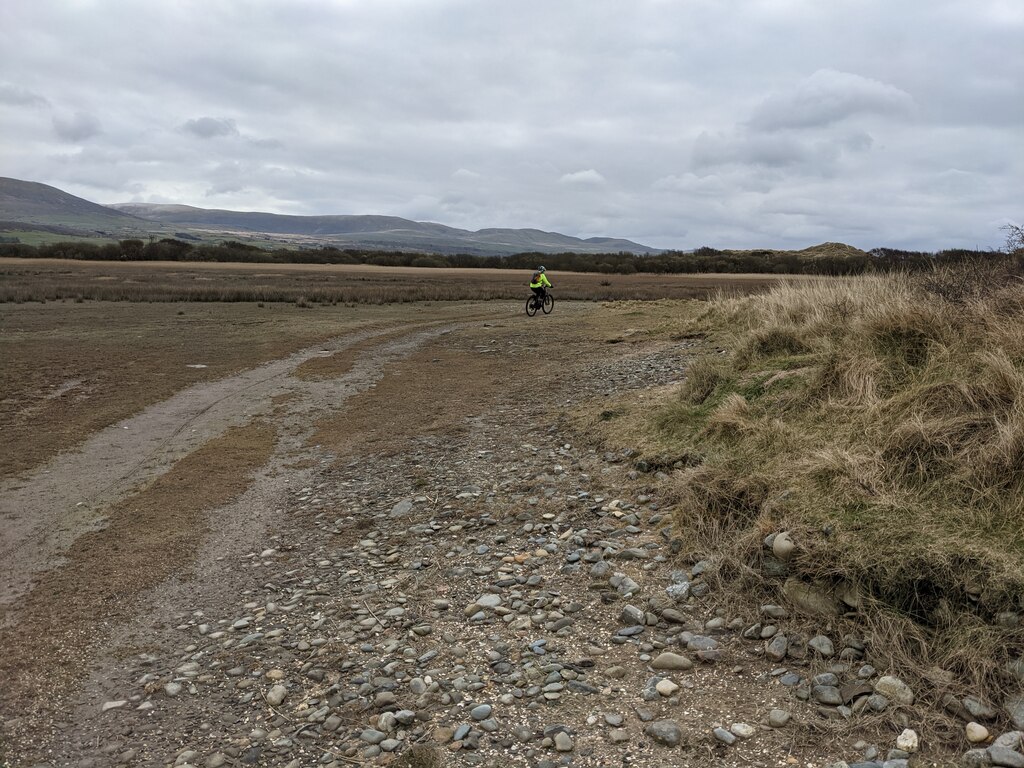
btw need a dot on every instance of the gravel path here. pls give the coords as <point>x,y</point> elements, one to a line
<point>509,596</point>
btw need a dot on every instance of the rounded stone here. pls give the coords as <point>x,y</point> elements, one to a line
<point>480,712</point>
<point>976,733</point>
<point>778,718</point>
<point>894,689</point>
<point>742,730</point>
<point>908,741</point>
<point>666,687</point>
<point>783,546</point>
<point>671,661</point>
<point>276,695</point>
<point>666,732</point>
<point>563,742</point>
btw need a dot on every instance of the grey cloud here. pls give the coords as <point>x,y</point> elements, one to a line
<point>76,127</point>
<point>210,127</point>
<point>588,177</point>
<point>20,97</point>
<point>703,130</point>
<point>827,97</point>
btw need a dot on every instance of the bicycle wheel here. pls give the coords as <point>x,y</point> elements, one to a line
<point>531,307</point>
<point>549,303</point>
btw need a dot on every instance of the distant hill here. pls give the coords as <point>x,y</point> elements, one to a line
<point>389,232</point>
<point>31,203</point>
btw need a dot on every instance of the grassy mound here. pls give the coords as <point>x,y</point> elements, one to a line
<point>881,421</point>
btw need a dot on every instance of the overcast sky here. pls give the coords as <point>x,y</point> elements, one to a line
<point>732,123</point>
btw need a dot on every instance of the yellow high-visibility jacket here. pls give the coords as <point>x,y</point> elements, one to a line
<point>542,281</point>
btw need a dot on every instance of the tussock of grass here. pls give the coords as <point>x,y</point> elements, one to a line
<point>881,419</point>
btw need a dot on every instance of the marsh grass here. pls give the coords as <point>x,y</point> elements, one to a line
<point>881,420</point>
<point>56,280</point>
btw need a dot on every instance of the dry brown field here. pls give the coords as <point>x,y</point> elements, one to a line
<point>56,279</point>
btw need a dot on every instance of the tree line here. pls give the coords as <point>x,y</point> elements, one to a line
<point>703,259</point>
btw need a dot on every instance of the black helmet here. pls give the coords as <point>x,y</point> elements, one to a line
<point>542,269</point>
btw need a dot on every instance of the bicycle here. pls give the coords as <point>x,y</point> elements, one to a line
<point>533,304</point>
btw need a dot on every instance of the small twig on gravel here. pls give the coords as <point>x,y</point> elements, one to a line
<point>276,711</point>
<point>368,608</point>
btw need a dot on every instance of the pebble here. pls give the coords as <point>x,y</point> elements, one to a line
<point>1006,757</point>
<point>665,732</point>
<point>976,733</point>
<point>742,730</point>
<point>671,661</point>
<point>276,695</point>
<point>563,742</point>
<point>724,736</point>
<point>822,646</point>
<point>908,741</point>
<point>666,687</point>
<point>894,689</point>
<point>778,718</point>
<point>480,712</point>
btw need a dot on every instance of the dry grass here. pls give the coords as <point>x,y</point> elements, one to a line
<point>23,280</point>
<point>881,419</point>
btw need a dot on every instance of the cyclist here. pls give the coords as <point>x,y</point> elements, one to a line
<point>538,283</point>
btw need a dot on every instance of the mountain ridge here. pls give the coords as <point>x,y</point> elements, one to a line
<point>31,203</point>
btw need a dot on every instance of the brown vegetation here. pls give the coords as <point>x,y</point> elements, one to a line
<point>23,280</point>
<point>881,421</point>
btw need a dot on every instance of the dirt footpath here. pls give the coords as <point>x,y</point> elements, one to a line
<point>391,548</point>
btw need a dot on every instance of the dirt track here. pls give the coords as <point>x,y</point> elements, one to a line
<point>270,567</point>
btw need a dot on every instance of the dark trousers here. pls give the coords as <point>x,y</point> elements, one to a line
<point>539,292</point>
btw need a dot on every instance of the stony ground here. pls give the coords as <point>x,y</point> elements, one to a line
<point>472,584</point>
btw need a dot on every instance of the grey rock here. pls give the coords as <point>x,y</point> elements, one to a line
<point>372,736</point>
<point>821,645</point>
<point>742,730</point>
<point>775,649</point>
<point>827,694</point>
<point>625,586</point>
<point>877,702</point>
<point>976,758</point>
<point>480,712</point>
<point>1010,740</point>
<point>523,733</point>
<point>679,592</point>
<point>724,736</point>
<point>979,709</point>
<point>778,718</point>
<point>810,599</point>
<point>489,600</point>
<point>895,689</point>
<point>276,695</point>
<point>671,661</point>
<point>618,735</point>
<point>1014,706</point>
<point>401,509</point>
<point>666,732</point>
<point>632,615</point>
<point>1005,757</point>
<point>563,742</point>
<point>632,554</point>
<point>774,611</point>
